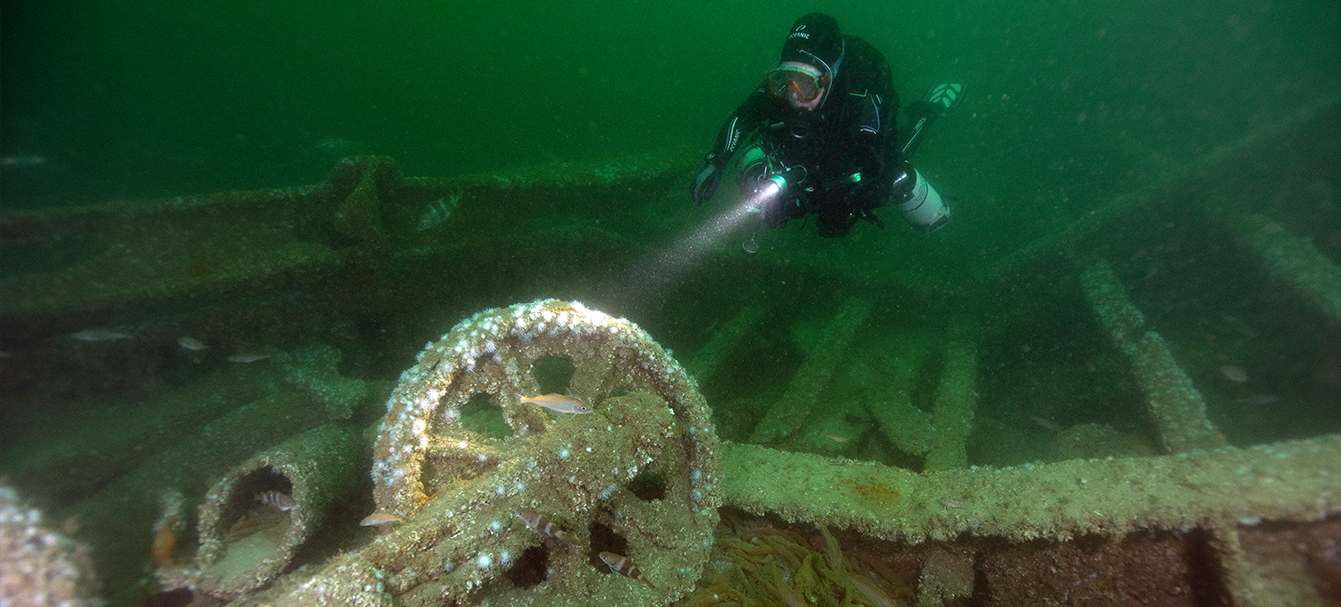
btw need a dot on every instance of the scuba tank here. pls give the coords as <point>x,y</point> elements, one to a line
<point>920,203</point>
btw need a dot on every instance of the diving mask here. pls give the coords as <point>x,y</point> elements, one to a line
<point>799,79</point>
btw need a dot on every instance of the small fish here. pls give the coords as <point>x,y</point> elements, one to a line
<point>277,500</point>
<point>1234,373</point>
<point>558,403</point>
<point>541,523</point>
<point>1046,424</point>
<point>623,566</point>
<point>837,438</point>
<point>379,518</point>
<point>340,146</point>
<point>952,504</point>
<point>24,161</point>
<point>191,343</point>
<point>247,357</point>
<point>99,335</point>
<point>165,541</point>
<point>1258,399</point>
<point>438,211</point>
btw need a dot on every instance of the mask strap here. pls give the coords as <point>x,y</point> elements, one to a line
<point>842,52</point>
<point>831,70</point>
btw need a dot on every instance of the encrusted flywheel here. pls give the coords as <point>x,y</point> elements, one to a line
<point>610,497</point>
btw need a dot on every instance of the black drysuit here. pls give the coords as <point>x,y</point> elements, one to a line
<point>847,147</point>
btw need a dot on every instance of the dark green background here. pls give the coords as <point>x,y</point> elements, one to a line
<point>140,98</point>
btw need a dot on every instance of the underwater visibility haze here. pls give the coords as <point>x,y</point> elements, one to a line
<point>265,271</point>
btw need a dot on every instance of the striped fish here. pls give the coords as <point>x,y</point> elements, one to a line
<point>541,523</point>
<point>623,566</point>
<point>277,500</point>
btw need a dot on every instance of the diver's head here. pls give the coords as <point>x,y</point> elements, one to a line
<point>810,60</point>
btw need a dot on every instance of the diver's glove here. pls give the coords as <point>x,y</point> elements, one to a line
<point>779,200</point>
<point>775,190</point>
<point>777,211</point>
<point>705,183</point>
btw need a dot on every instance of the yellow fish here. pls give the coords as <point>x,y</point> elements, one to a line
<point>379,518</point>
<point>558,403</point>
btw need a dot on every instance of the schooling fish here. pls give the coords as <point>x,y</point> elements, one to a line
<point>248,357</point>
<point>277,500</point>
<point>1258,399</point>
<point>558,403</point>
<point>1234,373</point>
<point>99,335</point>
<point>24,161</point>
<point>541,523</point>
<point>623,566</point>
<point>438,211</point>
<point>191,343</point>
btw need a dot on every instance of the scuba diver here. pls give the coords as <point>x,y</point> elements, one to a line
<point>819,137</point>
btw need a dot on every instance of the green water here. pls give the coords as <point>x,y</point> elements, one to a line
<point>1072,105</point>
<point>157,98</point>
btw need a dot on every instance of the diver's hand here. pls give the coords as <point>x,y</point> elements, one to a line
<point>779,198</point>
<point>779,209</point>
<point>775,213</point>
<point>705,183</point>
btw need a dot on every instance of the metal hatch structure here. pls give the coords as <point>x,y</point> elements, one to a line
<point>1196,522</point>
